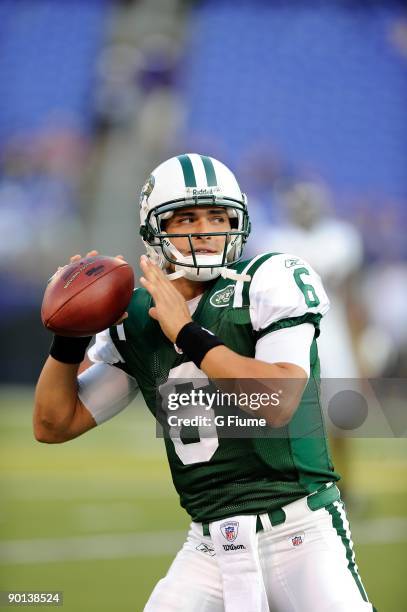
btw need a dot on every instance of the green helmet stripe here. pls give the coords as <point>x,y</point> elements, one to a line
<point>188,170</point>
<point>209,171</point>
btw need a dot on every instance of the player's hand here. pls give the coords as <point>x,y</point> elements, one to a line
<point>93,253</point>
<point>170,309</point>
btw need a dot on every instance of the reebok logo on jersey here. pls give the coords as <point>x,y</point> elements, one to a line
<point>221,298</point>
<point>208,550</point>
<point>297,539</point>
<point>228,547</point>
<point>290,263</point>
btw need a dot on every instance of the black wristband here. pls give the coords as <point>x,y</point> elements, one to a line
<point>195,341</point>
<point>69,350</point>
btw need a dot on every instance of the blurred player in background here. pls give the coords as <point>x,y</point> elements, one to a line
<point>335,249</point>
<point>269,531</point>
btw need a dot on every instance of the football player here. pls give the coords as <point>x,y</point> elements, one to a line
<point>268,530</point>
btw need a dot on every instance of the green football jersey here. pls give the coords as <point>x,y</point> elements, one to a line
<point>218,476</point>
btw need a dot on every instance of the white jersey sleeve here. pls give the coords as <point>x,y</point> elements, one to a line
<point>289,345</point>
<point>104,350</point>
<point>105,390</point>
<point>285,291</point>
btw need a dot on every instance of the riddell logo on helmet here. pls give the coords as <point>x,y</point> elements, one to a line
<point>204,191</point>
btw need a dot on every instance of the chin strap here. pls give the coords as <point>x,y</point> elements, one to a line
<point>224,273</point>
<point>233,275</point>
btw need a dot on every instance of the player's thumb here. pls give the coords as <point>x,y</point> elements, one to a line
<point>153,313</point>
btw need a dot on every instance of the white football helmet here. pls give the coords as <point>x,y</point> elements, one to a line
<point>185,181</point>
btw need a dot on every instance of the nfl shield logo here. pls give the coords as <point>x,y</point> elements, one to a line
<point>297,539</point>
<point>230,530</point>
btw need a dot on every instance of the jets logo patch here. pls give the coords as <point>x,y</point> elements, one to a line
<point>147,187</point>
<point>221,298</point>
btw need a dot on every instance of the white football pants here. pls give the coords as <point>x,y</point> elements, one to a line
<point>307,565</point>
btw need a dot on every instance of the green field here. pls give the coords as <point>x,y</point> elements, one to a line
<point>98,519</point>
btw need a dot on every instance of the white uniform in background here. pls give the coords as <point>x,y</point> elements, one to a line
<point>334,250</point>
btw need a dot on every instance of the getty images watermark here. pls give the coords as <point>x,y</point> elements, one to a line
<point>207,402</point>
<point>198,408</point>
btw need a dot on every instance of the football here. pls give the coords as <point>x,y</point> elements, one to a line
<point>87,296</point>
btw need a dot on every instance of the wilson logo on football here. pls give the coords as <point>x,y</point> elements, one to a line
<point>95,271</point>
<point>230,530</point>
<point>69,277</point>
<point>221,298</point>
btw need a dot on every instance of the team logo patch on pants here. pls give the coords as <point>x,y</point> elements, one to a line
<point>230,530</point>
